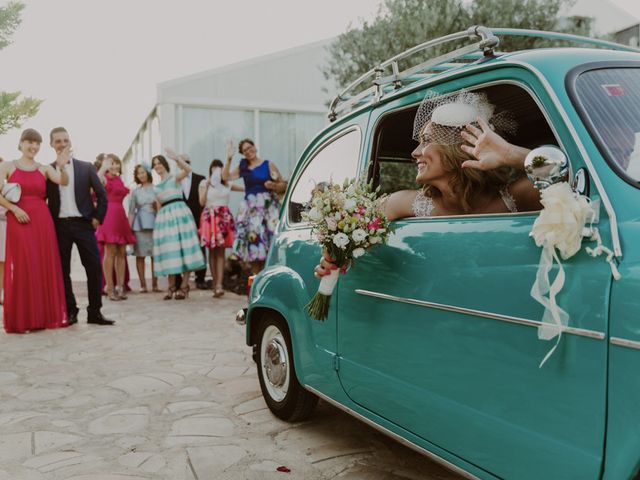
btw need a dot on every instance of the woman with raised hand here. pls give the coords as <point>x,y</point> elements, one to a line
<point>35,297</point>
<point>258,215</point>
<point>142,217</point>
<point>115,232</point>
<point>176,249</point>
<point>464,164</point>
<point>217,227</point>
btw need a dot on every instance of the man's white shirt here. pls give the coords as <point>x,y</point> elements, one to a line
<point>186,185</point>
<point>68,206</point>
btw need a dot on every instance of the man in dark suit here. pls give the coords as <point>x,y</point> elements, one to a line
<point>76,218</point>
<point>190,185</point>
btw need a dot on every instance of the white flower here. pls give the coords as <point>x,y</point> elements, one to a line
<point>340,240</point>
<point>350,204</point>
<point>358,235</point>
<point>314,214</point>
<point>358,252</point>
<point>332,224</point>
<point>374,240</point>
<point>562,220</point>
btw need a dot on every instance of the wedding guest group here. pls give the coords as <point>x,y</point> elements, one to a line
<point>176,223</point>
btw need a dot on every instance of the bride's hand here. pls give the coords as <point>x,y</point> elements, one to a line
<point>325,267</point>
<point>488,148</point>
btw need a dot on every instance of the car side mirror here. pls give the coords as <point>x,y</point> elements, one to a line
<point>546,166</point>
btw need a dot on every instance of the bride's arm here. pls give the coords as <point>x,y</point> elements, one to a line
<point>399,204</point>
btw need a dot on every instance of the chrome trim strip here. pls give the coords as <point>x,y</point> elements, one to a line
<point>395,436</point>
<point>623,342</point>
<point>478,313</point>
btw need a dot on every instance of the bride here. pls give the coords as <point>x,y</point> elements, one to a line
<point>463,163</point>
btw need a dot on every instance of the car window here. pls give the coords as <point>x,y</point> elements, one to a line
<point>610,101</point>
<point>392,167</point>
<point>333,162</point>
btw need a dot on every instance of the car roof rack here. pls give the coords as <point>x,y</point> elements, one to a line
<point>486,40</point>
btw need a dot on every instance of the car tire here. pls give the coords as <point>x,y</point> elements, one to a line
<point>284,395</point>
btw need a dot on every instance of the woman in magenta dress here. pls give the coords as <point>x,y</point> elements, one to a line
<point>98,164</point>
<point>33,275</point>
<point>115,232</point>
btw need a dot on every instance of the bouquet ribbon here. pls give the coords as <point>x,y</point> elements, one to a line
<point>566,218</point>
<point>544,292</point>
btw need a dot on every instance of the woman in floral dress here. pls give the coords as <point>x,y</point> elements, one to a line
<point>258,215</point>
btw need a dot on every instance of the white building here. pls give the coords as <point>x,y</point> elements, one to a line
<point>278,100</point>
<point>604,18</point>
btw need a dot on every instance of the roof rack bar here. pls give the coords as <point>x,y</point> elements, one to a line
<point>489,39</point>
<point>517,32</point>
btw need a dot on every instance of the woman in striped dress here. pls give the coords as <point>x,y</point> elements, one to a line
<point>176,248</point>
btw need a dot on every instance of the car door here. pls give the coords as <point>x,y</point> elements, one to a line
<point>334,157</point>
<point>437,333</point>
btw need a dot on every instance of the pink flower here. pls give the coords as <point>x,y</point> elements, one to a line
<point>375,224</point>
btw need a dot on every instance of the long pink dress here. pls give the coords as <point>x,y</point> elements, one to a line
<point>115,227</point>
<point>34,291</point>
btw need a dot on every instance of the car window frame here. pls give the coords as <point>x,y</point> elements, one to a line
<point>471,88</point>
<point>577,103</point>
<point>347,129</point>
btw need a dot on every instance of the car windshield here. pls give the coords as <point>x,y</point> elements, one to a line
<point>610,100</point>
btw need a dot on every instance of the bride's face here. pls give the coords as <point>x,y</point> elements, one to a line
<point>29,148</point>
<point>428,160</point>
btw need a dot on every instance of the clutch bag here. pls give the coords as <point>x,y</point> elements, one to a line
<point>12,191</point>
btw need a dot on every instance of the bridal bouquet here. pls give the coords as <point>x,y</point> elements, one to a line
<point>347,220</point>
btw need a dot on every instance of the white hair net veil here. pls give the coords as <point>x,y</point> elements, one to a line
<point>447,114</point>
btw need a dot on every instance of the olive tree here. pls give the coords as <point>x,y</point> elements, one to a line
<point>14,110</point>
<point>402,24</point>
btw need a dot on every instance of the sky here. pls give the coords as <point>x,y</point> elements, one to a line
<point>96,63</point>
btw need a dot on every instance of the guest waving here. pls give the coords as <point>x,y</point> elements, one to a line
<point>216,224</point>
<point>258,215</point>
<point>176,249</point>
<point>142,216</point>
<point>115,231</point>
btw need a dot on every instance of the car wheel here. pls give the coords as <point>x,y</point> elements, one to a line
<point>284,395</point>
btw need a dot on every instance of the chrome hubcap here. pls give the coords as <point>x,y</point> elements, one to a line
<point>275,363</point>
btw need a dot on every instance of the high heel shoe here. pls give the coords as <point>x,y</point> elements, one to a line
<point>112,294</point>
<point>119,291</point>
<point>170,293</point>
<point>182,293</point>
<point>218,291</point>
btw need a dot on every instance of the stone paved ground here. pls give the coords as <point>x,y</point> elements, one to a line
<point>170,392</point>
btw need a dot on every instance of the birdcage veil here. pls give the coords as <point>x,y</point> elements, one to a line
<point>447,114</point>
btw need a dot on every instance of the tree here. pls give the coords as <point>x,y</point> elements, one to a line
<point>13,110</point>
<point>402,24</point>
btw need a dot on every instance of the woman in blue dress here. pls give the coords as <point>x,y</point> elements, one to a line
<point>176,246</point>
<point>257,218</point>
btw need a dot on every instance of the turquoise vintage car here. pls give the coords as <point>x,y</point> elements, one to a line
<point>432,339</point>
